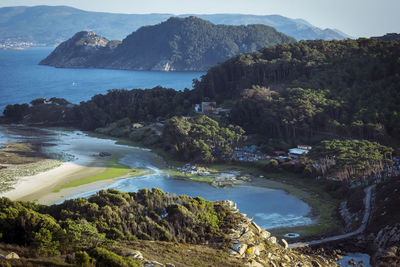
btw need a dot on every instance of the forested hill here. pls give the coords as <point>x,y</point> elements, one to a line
<point>389,37</point>
<point>182,44</point>
<point>349,87</point>
<point>50,25</point>
<point>305,91</point>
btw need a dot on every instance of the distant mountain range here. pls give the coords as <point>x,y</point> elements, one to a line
<point>50,25</point>
<point>178,44</point>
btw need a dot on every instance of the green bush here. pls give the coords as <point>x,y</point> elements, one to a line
<point>107,258</point>
<point>82,259</point>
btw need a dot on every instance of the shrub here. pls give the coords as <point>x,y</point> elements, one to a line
<point>107,258</point>
<point>82,259</point>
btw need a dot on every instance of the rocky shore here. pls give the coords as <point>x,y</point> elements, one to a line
<point>257,248</point>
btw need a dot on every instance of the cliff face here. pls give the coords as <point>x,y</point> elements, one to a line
<point>188,44</point>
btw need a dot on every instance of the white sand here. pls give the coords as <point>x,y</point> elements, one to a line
<point>85,149</point>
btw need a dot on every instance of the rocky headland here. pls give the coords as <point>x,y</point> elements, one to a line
<point>178,44</point>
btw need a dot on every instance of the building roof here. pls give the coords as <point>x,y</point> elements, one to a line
<point>298,151</point>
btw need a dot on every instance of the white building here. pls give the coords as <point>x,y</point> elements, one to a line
<point>299,150</point>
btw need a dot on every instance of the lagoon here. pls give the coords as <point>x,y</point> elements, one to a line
<point>270,208</point>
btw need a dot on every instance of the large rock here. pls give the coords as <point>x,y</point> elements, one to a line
<point>272,239</point>
<point>242,249</point>
<point>11,256</point>
<point>135,254</point>
<point>265,234</point>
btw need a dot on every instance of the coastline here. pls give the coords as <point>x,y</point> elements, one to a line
<point>57,184</point>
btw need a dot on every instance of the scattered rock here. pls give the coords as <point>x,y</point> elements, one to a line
<point>11,256</point>
<point>254,263</point>
<point>104,154</point>
<point>153,264</point>
<point>156,263</point>
<point>230,204</point>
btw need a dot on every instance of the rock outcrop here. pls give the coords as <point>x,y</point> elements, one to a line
<point>84,50</point>
<point>257,248</point>
<point>178,44</point>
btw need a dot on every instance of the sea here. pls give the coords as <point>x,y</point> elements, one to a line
<point>22,79</point>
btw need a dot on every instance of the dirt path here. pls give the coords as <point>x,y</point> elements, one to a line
<point>367,203</point>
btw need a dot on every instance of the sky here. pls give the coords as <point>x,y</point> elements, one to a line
<point>358,18</point>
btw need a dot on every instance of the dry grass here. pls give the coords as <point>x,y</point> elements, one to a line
<point>183,255</point>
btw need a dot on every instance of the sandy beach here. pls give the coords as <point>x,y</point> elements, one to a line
<point>86,162</point>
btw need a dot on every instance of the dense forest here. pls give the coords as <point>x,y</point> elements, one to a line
<point>298,92</point>
<point>182,44</point>
<point>349,160</point>
<point>345,88</point>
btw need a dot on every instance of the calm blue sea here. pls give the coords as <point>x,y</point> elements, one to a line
<point>22,79</point>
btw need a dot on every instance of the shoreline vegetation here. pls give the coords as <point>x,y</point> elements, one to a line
<point>323,206</point>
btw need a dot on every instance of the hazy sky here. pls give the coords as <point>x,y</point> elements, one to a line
<point>354,17</point>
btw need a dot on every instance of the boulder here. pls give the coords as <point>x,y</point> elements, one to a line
<point>153,264</point>
<point>286,257</point>
<point>265,234</point>
<point>104,154</point>
<point>135,254</point>
<point>272,239</point>
<point>11,256</point>
<point>259,229</point>
<point>242,249</point>
<point>284,243</point>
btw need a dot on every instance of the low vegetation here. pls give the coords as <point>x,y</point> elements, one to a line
<point>86,224</point>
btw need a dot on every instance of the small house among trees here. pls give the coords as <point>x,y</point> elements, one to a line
<point>208,107</point>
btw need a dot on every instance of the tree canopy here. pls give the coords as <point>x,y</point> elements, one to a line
<point>348,88</point>
<point>351,159</point>
<point>201,138</point>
